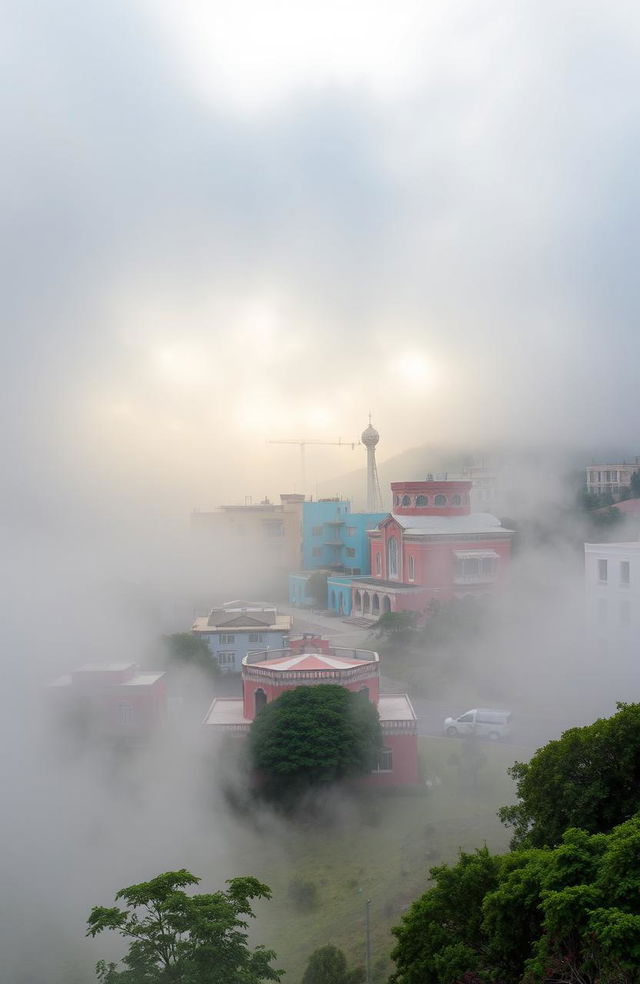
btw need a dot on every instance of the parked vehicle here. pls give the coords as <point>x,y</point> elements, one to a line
<point>481,722</point>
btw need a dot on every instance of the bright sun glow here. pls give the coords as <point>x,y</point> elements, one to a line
<point>413,368</point>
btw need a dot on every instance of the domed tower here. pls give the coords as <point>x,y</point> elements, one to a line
<point>370,438</point>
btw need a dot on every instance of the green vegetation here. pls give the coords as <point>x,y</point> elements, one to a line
<point>537,916</point>
<point>184,649</point>
<point>588,778</point>
<point>380,847</point>
<point>187,939</point>
<point>311,736</point>
<point>328,965</point>
<point>316,588</point>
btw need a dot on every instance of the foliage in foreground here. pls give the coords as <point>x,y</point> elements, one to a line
<point>183,649</point>
<point>588,778</point>
<point>535,916</point>
<point>190,939</point>
<point>328,965</point>
<point>314,735</point>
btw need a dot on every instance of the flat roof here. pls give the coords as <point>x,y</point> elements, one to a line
<point>395,707</point>
<point>226,711</point>
<point>471,523</point>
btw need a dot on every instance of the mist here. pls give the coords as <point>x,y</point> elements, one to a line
<point>220,232</point>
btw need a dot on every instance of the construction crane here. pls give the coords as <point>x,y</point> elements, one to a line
<point>302,445</point>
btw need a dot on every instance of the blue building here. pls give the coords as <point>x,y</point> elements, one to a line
<point>334,539</point>
<point>240,627</point>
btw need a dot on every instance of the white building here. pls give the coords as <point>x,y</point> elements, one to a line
<point>610,478</point>
<point>612,573</point>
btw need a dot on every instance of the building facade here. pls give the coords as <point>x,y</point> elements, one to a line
<point>612,586</point>
<point>431,548</point>
<point>310,661</point>
<point>612,479</point>
<point>112,699</point>
<point>240,627</point>
<point>334,538</point>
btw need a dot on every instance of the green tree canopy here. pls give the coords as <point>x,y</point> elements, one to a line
<point>313,735</point>
<point>187,649</point>
<point>534,916</point>
<point>588,778</point>
<point>190,939</point>
<point>328,965</point>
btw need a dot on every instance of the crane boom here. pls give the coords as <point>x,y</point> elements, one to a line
<point>312,440</point>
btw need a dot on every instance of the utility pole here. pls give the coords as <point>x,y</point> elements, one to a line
<point>303,443</point>
<point>367,949</point>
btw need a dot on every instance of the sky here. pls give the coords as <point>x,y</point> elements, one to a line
<point>225,224</point>
<point>229,223</point>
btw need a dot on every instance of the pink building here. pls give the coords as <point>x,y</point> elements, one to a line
<point>431,548</point>
<point>310,661</point>
<point>115,699</point>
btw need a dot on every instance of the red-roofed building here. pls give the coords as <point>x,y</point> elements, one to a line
<point>431,548</point>
<point>311,661</point>
<point>116,699</point>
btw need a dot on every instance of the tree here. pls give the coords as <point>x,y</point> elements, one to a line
<point>190,939</point>
<point>588,778</point>
<point>635,484</point>
<point>397,626</point>
<point>185,649</point>
<point>536,916</point>
<point>328,965</point>
<point>316,588</point>
<point>313,735</point>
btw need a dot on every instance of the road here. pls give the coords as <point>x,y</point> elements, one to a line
<point>541,711</point>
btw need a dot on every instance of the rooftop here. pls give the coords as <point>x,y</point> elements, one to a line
<point>313,661</point>
<point>226,711</point>
<point>448,525</point>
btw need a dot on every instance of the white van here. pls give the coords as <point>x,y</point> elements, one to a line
<point>482,722</point>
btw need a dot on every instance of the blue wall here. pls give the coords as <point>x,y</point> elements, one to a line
<point>298,589</point>
<point>333,536</point>
<point>241,644</point>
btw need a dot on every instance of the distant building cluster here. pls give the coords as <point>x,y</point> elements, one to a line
<point>610,479</point>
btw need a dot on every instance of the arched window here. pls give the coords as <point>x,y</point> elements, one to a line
<point>406,501</point>
<point>386,604</point>
<point>364,691</point>
<point>421,500</point>
<point>260,698</point>
<point>332,604</point>
<point>378,564</point>
<point>412,568</point>
<point>455,500</point>
<point>358,601</point>
<point>392,557</point>
<point>366,603</point>
<point>398,500</point>
<point>375,605</point>
<point>440,500</point>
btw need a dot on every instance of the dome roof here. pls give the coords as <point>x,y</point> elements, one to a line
<point>370,437</point>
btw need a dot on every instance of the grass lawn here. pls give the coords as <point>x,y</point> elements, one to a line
<point>380,847</point>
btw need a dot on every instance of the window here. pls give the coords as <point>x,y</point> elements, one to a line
<point>392,557</point>
<point>226,639</point>
<point>406,501</point>
<point>255,637</point>
<point>440,500</point>
<point>412,568</point>
<point>625,572</point>
<point>488,565</point>
<point>316,531</point>
<point>378,564</point>
<point>421,500</point>
<point>226,659</point>
<point>316,552</point>
<point>602,570</point>
<point>260,699</point>
<point>385,761</point>
<point>466,718</point>
<point>351,552</point>
<point>273,527</point>
<point>125,714</point>
<point>352,530</point>
<point>456,500</point>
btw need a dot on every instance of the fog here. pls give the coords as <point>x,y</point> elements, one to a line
<point>221,229</point>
